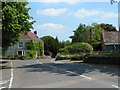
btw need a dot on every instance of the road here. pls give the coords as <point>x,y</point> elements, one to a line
<point>47,73</point>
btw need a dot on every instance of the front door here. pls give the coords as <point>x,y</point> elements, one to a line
<point>21,52</point>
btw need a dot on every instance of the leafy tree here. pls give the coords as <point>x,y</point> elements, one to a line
<point>51,46</point>
<point>79,34</point>
<point>89,34</point>
<point>15,20</point>
<point>108,27</point>
<point>34,46</point>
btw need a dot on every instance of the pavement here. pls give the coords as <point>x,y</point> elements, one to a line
<point>48,73</point>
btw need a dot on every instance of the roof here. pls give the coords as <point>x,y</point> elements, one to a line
<point>111,36</point>
<point>30,36</point>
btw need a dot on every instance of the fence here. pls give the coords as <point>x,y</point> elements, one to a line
<point>102,60</point>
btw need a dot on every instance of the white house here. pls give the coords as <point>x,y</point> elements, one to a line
<point>20,47</point>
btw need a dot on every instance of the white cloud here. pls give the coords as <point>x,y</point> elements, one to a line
<point>52,28</point>
<point>52,11</point>
<point>58,1</point>
<point>81,13</point>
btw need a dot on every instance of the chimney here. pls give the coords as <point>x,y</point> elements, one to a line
<point>35,32</point>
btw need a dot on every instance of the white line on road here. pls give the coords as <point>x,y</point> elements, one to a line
<point>11,78</point>
<point>79,75</point>
<point>39,62</point>
<point>115,86</point>
<point>85,76</point>
<point>2,88</point>
<point>70,72</point>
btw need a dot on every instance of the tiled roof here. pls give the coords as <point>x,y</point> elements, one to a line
<point>30,36</point>
<point>111,36</point>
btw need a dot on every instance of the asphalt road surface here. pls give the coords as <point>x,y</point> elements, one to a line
<point>47,73</point>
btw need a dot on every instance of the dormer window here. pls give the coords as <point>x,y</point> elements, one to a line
<point>20,44</point>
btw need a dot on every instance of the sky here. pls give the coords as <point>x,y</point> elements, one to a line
<point>61,17</point>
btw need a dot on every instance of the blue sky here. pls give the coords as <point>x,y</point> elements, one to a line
<point>61,18</point>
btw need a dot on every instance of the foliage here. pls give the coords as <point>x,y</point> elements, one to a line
<point>16,56</point>
<point>51,45</point>
<point>90,34</point>
<point>60,56</point>
<point>31,53</point>
<point>110,53</point>
<point>35,46</point>
<point>108,27</point>
<point>76,48</point>
<point>15,20</point>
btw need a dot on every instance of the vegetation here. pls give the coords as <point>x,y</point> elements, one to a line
<point>33,47</point>
<point>78,56</point>
<point>76,48</point>
<point>16,57</point>
<point>51,45</point>
<point>89,34</point>
<point>108,27</point>
<point>15,20</point>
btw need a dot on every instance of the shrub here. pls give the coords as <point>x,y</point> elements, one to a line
<point>92,54</point>
<point>31,53</point>
<point>76,47</point>
<point>63,56</point>
<point>23,57</point>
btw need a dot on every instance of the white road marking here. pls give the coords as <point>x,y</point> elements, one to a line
<point>79,75</point>
<point>2,88</point>
<point>115,86</point>
<point>70,72</point>
<point>11,78</point>
<point>85,76</point>
<point>3,82</point>
<point>39,62</point>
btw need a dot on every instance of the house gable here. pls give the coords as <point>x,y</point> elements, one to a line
<point>110,40</point>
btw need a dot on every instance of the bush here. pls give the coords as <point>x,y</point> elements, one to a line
<point>92,54</point>
<point>63,57</point>
<point>16,56</point>
<point>23,57</point>
<point>31,53</point>
<point>76,47</point>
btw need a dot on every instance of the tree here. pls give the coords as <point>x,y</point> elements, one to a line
<point>34,46</point>
<point>15,20</point>
<point>108,27</point>
<point>79,34</point>
<point>51,45</point>
<point>89,34</point>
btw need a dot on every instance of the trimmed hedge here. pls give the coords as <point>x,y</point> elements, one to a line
<point>76,48</point>
<point>102,60</point>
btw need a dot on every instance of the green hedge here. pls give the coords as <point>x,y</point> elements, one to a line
<point>76,48</point>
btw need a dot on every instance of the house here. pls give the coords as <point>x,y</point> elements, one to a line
<point>110,40</point>
<point>20,47</point>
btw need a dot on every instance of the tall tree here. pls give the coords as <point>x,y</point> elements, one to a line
<point>79,34</point>
<point>15,20</point>
<point>51,46</point>
<point>108,27</point>
<point>90,34</point>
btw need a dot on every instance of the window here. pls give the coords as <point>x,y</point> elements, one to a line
<point>20,44</point>
<point>20,52</point>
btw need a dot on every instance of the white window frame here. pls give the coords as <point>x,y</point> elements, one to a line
<point>23,52</point>
<point>20,46</point>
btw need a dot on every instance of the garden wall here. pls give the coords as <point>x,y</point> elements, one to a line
<point>102,60</point>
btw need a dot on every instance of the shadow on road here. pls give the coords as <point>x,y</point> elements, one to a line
<point>64,68</point>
